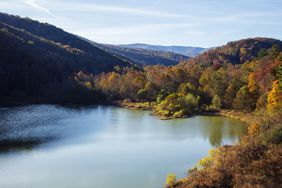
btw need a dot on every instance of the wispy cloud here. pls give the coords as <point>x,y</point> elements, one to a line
<point>34,4</point>
<point>144,28</point>
<point>119,9</point>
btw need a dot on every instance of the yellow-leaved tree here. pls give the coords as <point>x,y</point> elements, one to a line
<point>274,98</point>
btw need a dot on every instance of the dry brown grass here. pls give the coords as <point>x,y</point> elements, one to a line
<point>256,162</point>
<point>240,166</point>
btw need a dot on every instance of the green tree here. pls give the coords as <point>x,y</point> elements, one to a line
<point>178,105</point>
<point>279,70</point>
<point>142,94</point>
<point>162,95</point>
<point>274,51</point>
<point>152,91</point>
<point>188,88</point>
<point>262,53</point>
<point>231,92</point>
<point>243,100</point>
<point>216,102</point>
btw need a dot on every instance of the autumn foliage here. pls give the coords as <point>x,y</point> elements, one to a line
<point>252,86</point>
<point>194,87</point>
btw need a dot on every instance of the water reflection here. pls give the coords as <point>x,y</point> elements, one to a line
<point>33,125</point>
<point>220,130</point>
<point>103,146</point>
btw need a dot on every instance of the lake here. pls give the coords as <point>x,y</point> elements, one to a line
<point>44,146</point>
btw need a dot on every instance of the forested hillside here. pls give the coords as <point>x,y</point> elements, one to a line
<point>208,82</point>
<point>238,52</point>
<point>38,62</point>
<point>144,56</point>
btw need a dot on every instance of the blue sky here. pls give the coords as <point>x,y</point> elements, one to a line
<point>205,23</point>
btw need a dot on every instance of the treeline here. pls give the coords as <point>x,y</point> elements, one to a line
<point>190,87</point>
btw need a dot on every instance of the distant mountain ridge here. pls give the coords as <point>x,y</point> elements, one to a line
<point>184,50</point>
<point>141,56</point>
<point>144,56</point>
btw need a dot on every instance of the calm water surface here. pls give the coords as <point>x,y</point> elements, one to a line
<point>103,147</point>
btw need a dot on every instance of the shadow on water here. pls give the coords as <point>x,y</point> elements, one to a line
<point>22,144</point>
<point>26,127</point>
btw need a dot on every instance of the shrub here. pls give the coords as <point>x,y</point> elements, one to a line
<point>273,136</point>
<point>253,129</point>
<point>207,161</point>
<point>88,85</point>
<point>171,179</point>
<point>179,114</point>
<point>30,42</point>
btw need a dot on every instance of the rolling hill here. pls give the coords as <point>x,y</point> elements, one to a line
<point>238,52</point>
<point>38,61</point>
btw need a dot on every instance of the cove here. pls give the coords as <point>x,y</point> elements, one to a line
<point>43,146</point>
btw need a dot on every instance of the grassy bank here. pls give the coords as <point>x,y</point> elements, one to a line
<point>246,117</point>
<point>134,105</point>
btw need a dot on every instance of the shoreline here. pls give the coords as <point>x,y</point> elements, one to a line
<point>241,116</point>
<point>149,106</point>
<point>134,105</point>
